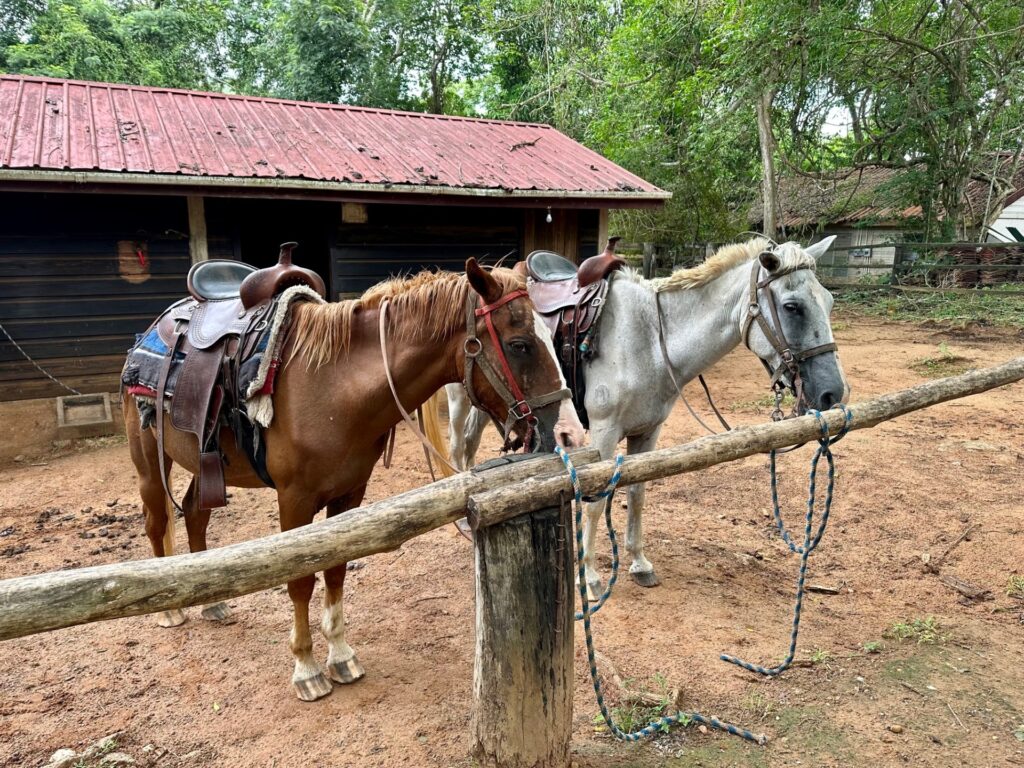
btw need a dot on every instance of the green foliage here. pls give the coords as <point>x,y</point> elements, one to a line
<point>666,88</point>
<point>873,646</point>
<point>955,309</point>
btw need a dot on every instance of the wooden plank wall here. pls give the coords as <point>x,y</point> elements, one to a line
<point>403,239</point>
<point>63,296</point>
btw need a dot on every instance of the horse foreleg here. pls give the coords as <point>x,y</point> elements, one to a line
<point>196,522</point>
<point>605,440</point>
<point>308,679</point>
<point>640,569</point>
<point>342,664</point>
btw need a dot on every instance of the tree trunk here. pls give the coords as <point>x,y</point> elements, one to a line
<point>769,193</point>
<point>523,672</point>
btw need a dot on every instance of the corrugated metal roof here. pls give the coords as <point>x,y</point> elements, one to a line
<point>62,125</point>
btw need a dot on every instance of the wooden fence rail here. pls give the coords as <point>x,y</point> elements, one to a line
<point>49,601</point>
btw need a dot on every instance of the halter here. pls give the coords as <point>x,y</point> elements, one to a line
<point>777,338</point>
<point>504,384</point>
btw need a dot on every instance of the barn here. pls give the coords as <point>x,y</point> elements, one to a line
<point>109,192</point>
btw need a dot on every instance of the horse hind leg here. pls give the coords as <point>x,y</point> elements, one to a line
<point>196,522</point>
<point>342,664</point>
<point>640,569</point>
<point>158,508</point>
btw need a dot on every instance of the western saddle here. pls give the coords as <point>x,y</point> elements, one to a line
<point>570,300</point>
<point>218,329</point>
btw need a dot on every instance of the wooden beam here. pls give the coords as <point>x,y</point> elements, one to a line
<point>197,245</point>
<point>496,505</point>
<point>48,601</point>
<point>602,229</point>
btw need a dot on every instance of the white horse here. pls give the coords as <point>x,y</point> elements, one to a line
<point>705,312</point>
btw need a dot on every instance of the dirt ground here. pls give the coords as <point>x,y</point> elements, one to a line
<point>951,694</point>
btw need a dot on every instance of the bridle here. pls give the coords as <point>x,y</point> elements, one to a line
<point>504,383</point>
<point>777,338</point>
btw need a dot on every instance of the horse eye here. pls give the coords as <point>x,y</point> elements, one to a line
<point>518,347</point>
<point>791,306</point>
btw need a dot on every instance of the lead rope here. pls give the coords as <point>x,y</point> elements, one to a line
<point>662,723</point>
<point>810,542</point>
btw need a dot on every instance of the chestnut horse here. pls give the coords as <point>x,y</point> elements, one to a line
<point>334,409</point>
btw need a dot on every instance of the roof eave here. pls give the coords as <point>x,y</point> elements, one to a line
<point>326,190</point>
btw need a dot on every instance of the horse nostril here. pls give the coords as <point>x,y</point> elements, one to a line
<point>565,440</point>
<point>826,401</point>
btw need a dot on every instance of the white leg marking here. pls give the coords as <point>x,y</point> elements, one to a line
<point>333,627</point>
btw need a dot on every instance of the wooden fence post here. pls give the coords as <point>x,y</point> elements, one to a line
<point>523,671</point>
<point>650,265</point>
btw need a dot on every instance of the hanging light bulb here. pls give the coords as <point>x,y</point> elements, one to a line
<point>548,217</point>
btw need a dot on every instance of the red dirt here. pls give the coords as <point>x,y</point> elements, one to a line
<point>205,694</point>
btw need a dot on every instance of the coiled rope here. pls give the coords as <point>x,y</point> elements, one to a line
<point>662,723</point>
<point>810,541</point>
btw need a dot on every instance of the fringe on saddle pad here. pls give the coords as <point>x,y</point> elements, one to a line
<point>258,391</point>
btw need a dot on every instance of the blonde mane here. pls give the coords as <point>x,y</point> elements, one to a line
<point>426,304</point>
<point>723,260</point>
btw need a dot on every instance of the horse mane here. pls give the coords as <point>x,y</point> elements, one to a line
<point>431,303</point>
<point>791,256</point>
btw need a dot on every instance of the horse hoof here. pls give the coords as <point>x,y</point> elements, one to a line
<point>216,612</point>
<point>174,618</point>
<point>345,672</point>
<point>645,578</point>
<point>594,590</point>
<point>313,688</point>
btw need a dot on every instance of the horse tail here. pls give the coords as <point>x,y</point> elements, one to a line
<point>433,433</point>
<point>169,530</point>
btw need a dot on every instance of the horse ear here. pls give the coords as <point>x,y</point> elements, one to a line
<point>818,249</point>
<point>769,261</point>
<point>482,281</point>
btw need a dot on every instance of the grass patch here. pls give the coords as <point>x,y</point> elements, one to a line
<point>820,656</point>
<point>646,707</point>
<point>922,630</point>
<point>943,364</point>
<point>873,646</point>
<point>1015,587</point>
<point>952,308</point>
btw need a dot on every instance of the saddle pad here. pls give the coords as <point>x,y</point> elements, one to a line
<point>141,371</point>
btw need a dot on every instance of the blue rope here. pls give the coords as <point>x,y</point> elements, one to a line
<point>662,723</point>
<point>810,542</point>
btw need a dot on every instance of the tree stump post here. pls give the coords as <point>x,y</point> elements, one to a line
<point>649,261</point>
<point>523,670</point>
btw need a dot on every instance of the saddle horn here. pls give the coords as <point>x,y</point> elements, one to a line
<point>266,283</point>
<point>598,267</point>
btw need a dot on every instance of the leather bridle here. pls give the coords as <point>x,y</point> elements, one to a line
<point>504,383</point>
<point>776,337</point>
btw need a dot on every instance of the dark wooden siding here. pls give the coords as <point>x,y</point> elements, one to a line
<point>402,239</point>
<point>62,295</point>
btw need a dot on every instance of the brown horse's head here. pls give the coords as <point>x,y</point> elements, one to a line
<point>525,355</point>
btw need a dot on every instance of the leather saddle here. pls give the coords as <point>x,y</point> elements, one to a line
<point>217,330</point>
<point>570,301</point>
<point>567,295</point>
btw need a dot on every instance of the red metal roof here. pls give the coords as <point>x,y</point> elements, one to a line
<point>70,126</point>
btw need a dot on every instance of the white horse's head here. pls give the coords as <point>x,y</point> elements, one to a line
<point>796,308</point>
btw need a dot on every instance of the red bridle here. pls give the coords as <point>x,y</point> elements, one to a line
<point>519,407</point>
